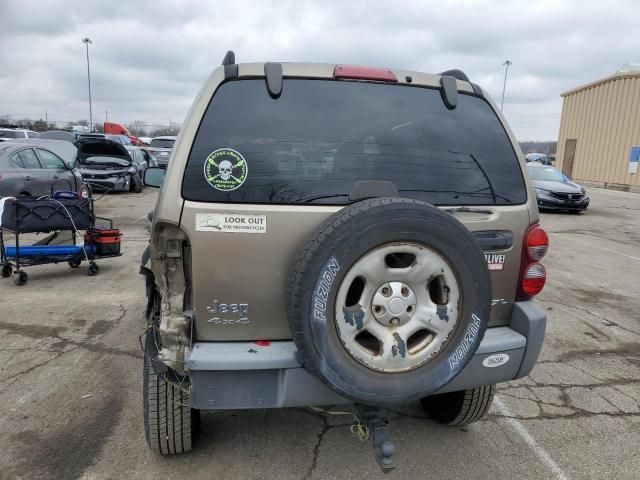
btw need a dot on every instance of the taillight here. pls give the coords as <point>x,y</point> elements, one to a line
<point>537,243</point>
<point>532,273</point>
<point>364,73</point>
<point>533,279</point>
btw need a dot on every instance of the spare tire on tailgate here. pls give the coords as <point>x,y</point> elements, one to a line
<point>388,300</point>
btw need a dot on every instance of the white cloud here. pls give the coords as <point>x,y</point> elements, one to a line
<point>149,58</point>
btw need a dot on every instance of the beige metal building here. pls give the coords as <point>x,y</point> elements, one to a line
<point>599,128</point>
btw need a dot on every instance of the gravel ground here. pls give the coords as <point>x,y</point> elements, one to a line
<point>71,375</point>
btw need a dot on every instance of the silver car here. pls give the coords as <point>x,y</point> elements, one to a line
<point>160,148</point>
<point>11,133</point>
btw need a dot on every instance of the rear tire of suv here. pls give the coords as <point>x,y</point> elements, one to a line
<point>367,358</point>
<point>168,419</point>
<point>460,408</point>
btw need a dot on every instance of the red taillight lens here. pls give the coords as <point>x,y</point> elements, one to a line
<point>537,243</point>
<point>364,73</point>
<point>533,279</point>
<point>533,274</point>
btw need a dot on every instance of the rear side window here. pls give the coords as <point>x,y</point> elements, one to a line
<point>10,134</point>
<point>28,158</point>
<point>50,160</point>
<point>319,137</point>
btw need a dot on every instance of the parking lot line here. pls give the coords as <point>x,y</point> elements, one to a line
<point>539,451</point>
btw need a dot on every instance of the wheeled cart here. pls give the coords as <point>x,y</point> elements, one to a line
<point>54,215</point>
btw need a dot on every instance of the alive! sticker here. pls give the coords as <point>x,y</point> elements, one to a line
<point>225,169</point>
<point>495,261</point>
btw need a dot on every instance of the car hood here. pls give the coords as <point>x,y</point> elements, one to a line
<point>100,147</point>
<point>558,186</point>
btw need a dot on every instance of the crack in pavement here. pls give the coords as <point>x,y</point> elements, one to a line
<point>316,448</point>
<point>43,331</point>
<point>563,391</point>
<point>23,372</point>
<point>588,233</point>
<point>609,323</point>
<point>325,427</point>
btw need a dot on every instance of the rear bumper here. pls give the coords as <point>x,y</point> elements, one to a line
<point>241,375</point>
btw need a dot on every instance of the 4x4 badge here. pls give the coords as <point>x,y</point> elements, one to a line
<point>225,169</point>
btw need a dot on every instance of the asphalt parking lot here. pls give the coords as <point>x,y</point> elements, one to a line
<point>71,374</point>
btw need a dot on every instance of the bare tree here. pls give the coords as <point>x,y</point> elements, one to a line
<point>171,130</point>
<point>137,128</point>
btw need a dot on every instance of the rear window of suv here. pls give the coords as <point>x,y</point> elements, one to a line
<point>319,137</point>
<point>162,143</point>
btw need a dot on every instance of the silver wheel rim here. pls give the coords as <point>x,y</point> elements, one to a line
<point>396,307</point>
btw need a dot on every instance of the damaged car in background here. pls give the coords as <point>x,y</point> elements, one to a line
<point>107,165</point>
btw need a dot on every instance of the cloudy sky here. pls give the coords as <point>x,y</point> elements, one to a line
<point>149,58</point>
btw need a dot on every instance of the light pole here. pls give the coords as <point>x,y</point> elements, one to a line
<point>87,41</point>
<point>506,64</point>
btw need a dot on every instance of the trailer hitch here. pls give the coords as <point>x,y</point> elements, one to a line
<point>379,429</point>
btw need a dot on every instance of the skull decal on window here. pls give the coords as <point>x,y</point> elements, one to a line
<point>225,169</point>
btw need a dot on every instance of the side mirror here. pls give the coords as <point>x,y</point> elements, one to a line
<point>154,177</point>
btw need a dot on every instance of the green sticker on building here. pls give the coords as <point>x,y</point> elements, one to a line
<point>225,169</point>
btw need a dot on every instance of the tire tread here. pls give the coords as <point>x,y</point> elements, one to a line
<point>167,414</point>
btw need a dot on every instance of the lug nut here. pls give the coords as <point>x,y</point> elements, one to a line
<point>394,321</point>
<point>377,309</point>
<point>404,291</point>
<point>385,291</point>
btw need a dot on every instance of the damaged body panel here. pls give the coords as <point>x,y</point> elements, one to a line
<point>169,262</point>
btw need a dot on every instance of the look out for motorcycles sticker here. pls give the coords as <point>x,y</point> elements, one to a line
<point>231,223</point>
<point>225,169</point>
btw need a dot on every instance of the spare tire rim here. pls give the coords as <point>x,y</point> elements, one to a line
<point>397,306</point>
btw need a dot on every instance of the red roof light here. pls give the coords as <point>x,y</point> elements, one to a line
<point>364,73</point>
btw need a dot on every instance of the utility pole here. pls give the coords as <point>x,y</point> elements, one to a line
<point>87,41</point>
<point>106,115</point>
<point>46,118</point>
<point>506,64</point>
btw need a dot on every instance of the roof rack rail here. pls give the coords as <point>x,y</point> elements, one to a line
<point>457,74</point>
<point>230,66</point>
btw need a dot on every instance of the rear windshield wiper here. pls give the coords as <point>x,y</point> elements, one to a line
<point>321,197</point>
<point>457,194</point>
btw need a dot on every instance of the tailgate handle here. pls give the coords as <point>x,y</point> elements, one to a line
<point>494,240</point>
